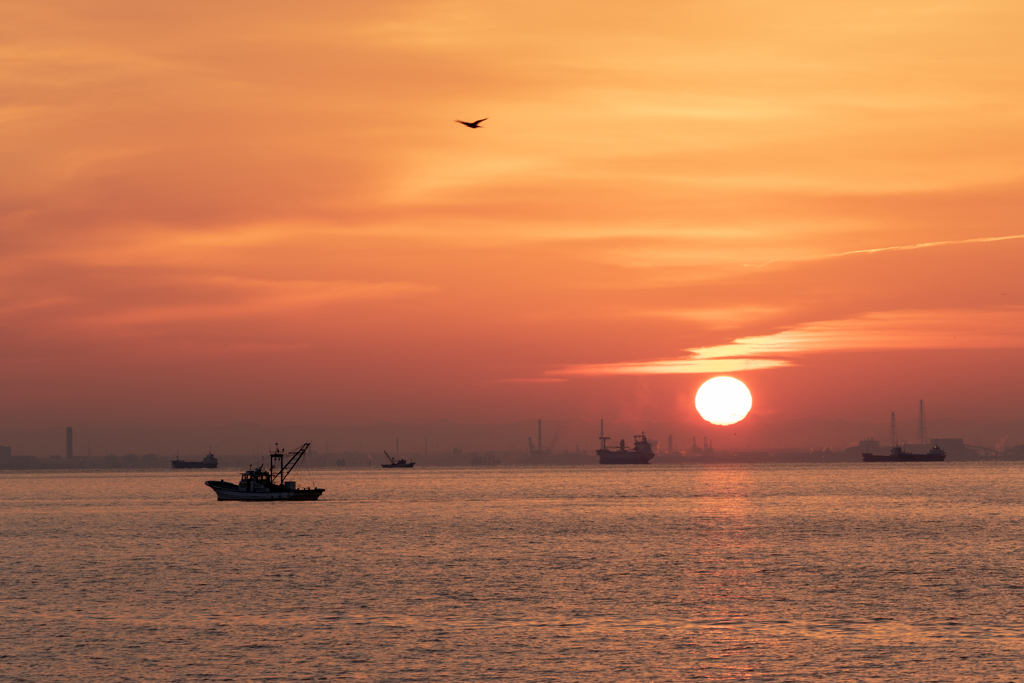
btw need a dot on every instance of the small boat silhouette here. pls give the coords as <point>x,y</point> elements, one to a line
<point>396,463</point>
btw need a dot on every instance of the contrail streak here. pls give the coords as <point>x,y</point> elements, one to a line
<point>901,247</point>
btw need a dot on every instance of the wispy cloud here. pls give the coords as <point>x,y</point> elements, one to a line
<point>891,330</point>
<point>675,366</point>
<point>530,380</point>
<point>244,297</point>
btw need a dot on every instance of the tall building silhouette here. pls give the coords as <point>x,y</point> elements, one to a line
<point>922,428</point>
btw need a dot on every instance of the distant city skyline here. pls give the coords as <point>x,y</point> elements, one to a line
<point>442,436</point>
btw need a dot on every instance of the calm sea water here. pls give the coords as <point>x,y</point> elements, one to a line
<point>909,572</point>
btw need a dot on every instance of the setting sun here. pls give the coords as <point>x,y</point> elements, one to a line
<point>723,400</point>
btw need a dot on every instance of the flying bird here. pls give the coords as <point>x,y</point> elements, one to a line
<point>475,124</point>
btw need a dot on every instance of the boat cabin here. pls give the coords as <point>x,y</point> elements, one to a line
<point>259,480</point>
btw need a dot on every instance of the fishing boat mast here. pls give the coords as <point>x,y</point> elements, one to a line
<point>285,468</point>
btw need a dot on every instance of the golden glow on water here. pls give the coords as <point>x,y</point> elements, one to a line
<point>797,572</point>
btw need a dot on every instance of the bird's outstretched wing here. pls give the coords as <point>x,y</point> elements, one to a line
<point>478,122</point>
<point>464,123</point>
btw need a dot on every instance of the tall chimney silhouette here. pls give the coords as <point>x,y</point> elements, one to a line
<point>70,443</point>
<point>922,429</point>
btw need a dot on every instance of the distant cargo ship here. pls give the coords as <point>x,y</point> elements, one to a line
<point>897,454</point>
<point>640,454</point>
<point>209,463</point>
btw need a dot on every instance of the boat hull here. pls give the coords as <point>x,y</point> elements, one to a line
<point>904,457</point>
<point>228,491</point>
<point>624,458</point>
<point>399,467</point>
<point>922,457</point>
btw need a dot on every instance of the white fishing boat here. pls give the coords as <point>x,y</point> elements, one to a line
<point>260,484</point>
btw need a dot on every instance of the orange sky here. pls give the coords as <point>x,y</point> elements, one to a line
<point>261,211</point>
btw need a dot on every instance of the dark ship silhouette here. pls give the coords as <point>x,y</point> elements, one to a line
<point>640,454</point>
<point>897,454</point>
<point>395,464</point>
<point>209,462</point>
